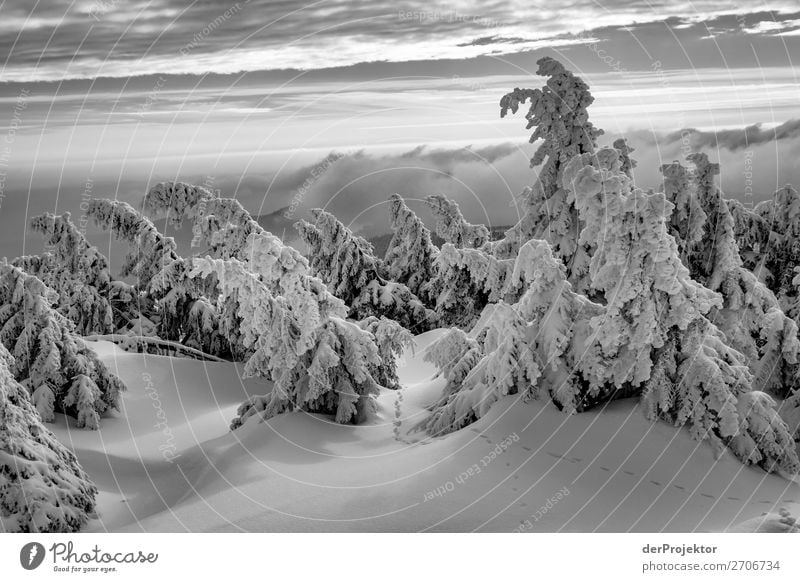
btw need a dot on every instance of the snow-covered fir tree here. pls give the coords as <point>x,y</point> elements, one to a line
<point>42,486</point>
<point>228,230</point>
<point>753,235</point>
<point>627,163</point>
<point>544,339</point>
<point>322,368</point>
<point>655,329</point>
<point>60,371</point>
<point>79,273</point>
<point>750,316</point>
<point>466,281</point>
<point>687,220</point>
<point>451,225</point>
<point>165,292</point>
<point>558,112</point>
<point>411,255</point>
<point>347,265</point>
<point>392,340</point>
<point>651,337</point>
<point>280,316</point>
<point>781,252</point>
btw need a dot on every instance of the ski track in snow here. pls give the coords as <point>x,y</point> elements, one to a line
<point>301,472</point>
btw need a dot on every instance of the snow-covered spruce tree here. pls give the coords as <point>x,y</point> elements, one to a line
<point>346,264</point>
<point>558,112</point>
<point>392,340</point>
<point>166,293</point>
<point>411,255</point>
<point>782,251</point>
<point>229,231</point>
<point>687,219</point>
<point>544,339</point>
<point>654,331</point>
<point>77,271</point>
<point>750,316</point>
<point>451,225</point>
<point>467,280</point>
<point>466,277</point>
<point>58,369</point>
<point>324,368</point>
<point>627,163</point>
<point>753,235</point>
<point>42,486</point>
<point>650,339</point>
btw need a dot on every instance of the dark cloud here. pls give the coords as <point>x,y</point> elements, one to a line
<point>53,40</point>
<point>736,139</point>
<point>487,40</point>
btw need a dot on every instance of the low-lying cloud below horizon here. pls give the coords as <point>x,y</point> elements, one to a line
<point>485,180</point>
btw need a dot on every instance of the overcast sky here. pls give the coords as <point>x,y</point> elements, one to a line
<point>107,97</point>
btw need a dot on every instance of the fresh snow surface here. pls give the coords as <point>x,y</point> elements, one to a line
<point>169,463</point>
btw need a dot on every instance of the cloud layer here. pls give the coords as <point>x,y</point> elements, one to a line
<point>92,38</point>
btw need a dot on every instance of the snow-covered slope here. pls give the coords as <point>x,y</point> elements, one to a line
<point>523,466</point>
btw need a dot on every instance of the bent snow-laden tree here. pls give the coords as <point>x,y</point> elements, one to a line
<point>80,274</point>
<point>62,374</point>
<point>346,264</point>
<point>687,220</point>
<point>558,112</point>
<point>466,277</point>
<point>411,255</point>
<point>651,338</point>
<point>466,281</point>
<point>392,339</point>
<point>324,368</point>
<point>544,339</point>
<point>166,294</point>
<point>42,486</point>
<point>229,231</point>
<point>750,316</point>
<point>656,329</point>
<point>451,225</point>
<point>781,253</point>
